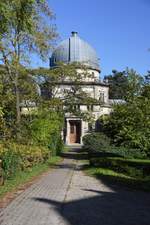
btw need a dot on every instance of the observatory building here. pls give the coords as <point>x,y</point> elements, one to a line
<point>76,50</point>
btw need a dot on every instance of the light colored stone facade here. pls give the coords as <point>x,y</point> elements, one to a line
<point>94,89</point>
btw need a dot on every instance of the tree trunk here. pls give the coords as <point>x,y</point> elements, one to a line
<point>18,114</point>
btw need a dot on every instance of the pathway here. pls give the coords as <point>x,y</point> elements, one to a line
<point>66,196</point>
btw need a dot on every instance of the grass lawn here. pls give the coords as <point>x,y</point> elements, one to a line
<point>22,177</point>
<point>121,171</point>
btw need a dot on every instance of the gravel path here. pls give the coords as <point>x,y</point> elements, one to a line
<point>66,196</point>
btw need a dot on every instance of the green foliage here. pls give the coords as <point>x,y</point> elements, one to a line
<point>96,142</point>
<point>124,85</point>
<point>46,129</point>
<point>21,177</point>
<point>109,175</point>
<point>117,84</point>
<point>100,143</point>
<point>146,91</point>
<point>70,97</point>
<point>135,84</point>
<point>25,31</point>
<point>25,23</point>
<point>11,162</point>
<point>129,124</point>
<point>56,143</point>
<point>17,157</point>
<point>133,168</point>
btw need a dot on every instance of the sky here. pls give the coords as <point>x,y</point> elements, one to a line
<point>119,30</point>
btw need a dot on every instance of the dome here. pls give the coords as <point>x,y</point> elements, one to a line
<point>75,49</point>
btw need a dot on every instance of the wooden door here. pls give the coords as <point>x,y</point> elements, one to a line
<point>74,132</point>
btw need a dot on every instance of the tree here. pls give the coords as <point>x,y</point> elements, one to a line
<point>25,31</point>
<point>129,123</point>
<point>63,88</point>
<point>146,86</point>
<point>134,85</point>
<point>117,84</point>
<point>124,85</point>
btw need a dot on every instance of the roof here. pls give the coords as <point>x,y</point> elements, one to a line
<point>74,49</point>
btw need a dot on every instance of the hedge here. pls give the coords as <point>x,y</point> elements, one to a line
<point>17,157</point>
<point>98,144</point>
<point>131,167</point>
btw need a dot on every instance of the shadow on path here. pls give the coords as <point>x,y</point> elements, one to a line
<point>115,206</point>
<point>106,208</point>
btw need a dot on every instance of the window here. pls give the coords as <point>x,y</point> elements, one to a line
<point>90,127</point>
<point>93,75</point>
<point>76,107</point>
<point>90,107</point>
<point>101,96</point>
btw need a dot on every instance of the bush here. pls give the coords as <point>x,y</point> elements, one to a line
<point>38,140</point>
<point>96,142</point>
<point>17,157</point>
<point>11,162</point>
<point>128,152</point>
<point>129,125</point>
<point>56,144</point>
<point>46,130</point>
<point>100,143</point>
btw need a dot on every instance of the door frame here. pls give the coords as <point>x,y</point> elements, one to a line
<point>75,128</point>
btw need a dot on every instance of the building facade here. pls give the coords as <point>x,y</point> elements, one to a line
<point>74,49</point>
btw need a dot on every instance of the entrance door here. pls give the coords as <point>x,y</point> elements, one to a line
<point>75,131</point>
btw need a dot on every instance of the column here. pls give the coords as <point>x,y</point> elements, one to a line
<point>68,132</point>
<point>82,132</point>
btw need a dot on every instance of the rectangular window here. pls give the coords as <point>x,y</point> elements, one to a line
<point>90,107</point>
<point>90,128</point>
<point>101,97</point>
<point>76,107</point>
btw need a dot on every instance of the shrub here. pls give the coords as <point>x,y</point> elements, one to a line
<point>96,142</point>
<point>32,155</point>
<point>46,130</point>
<point>56,144</point>
<point>100,143</point>
<point>11,162</point>
<point>20,157</point>
<point>129,124</point>
<point>127,152</point>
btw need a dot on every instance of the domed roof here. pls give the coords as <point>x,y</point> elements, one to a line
<point>75,49</point>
